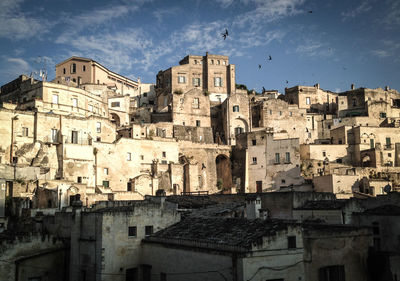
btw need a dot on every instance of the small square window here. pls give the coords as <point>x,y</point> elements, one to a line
<point>148,230</point>
<point>106,184</point>
<point>164,154</point>
<point>324,153</point>
<point>132,231</point>
<point>98,127</point>
<point>197,123</point>
<point>24,131</point>
<point>253,142</point>
<point>106,171</point>
<point>128,156</point>
<point>254,160</point>
<point>141,157</point>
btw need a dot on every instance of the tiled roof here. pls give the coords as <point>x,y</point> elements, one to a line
<point>237,232</point>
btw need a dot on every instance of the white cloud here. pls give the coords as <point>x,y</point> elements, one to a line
<point>15,24</point>
<point>268,11</point>
<point>225,3</point>
<point>392,18</point>
<point>313,48</point>
<point>362,8</point>
<point>159,14</point>
<point>12,67</point>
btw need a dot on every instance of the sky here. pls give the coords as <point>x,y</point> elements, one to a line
<point>335,43</point>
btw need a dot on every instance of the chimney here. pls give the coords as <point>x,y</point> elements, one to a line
<point>316,85</point>
<point>387,88</point>
<point>352,87</point>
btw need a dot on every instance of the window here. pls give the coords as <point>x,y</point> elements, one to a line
<point>54,135</point>
<point>197,123</point>
<point>98,139</point>
<point>354,102</point>
<point>291,242</point>
<point>132,231</point>
<point>280,113</point>
<point>141,157</point>
<point>24,131</point>
<point>128,156</point>
<point>323,153</point>
<point>224,62</point>
<point>332,273</point>
<point>79,180</point>
<point>98,127</point>
<point>105,171</point>
<point>164,154</point>
<point>148,230</point>
<point>287,157</point>
<point>64,70</point>
<point>115,104</point>
<point>74,137</point>
<point>73,68</point>
<point>83,67</point>
<point>55,99</point>
<point>129,186</point>
<point>163,276</point>
<point>196,82</point>
<point>238,130</point>
<point>235,108</point>
<point>217,81</point>
<point>144,94</point>
<point>382,114</point>
<point>277,158</point>
<point>212,61</point>
<point>254,160</point>
<point>290,113</point>
<point>181,79</point>
<point>253,142</point>
<point>389,154</point>
<point>283,181</point>
<point>75,102</point>
<point>218,62</point>
<point>308,100</point>
<point>270,112</point>
<point>106,184</point>
<point>90,108</point>
<point>196,103</point>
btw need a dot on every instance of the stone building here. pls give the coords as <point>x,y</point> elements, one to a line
<point>87,71</point>
<point>106,240</point>
<point>313,99</point>
<point>240,249</point>
<point>262,163</point>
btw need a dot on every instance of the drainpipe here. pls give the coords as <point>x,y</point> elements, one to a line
<point>12,138</point>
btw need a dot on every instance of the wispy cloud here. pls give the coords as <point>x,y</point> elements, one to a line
<point>392,17</point>
<point>12,67</point>
<point>389,48</point>
<point>362,8</point>
<point>15,25</point>
<point>159,14</point>
<point>268,11</point>
<point>225,3</point>
<point>313,48</point>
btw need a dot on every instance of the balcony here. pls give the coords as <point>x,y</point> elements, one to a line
<point>388,146</point>
<point>79,141</point>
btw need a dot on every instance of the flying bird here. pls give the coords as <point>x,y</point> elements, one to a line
<point>287,82</point>
<point>269,58</point>
<point>224,35</point>
<point>259,66</point>
<point>310,12</point>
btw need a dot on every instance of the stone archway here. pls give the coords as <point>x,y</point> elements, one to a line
<point>224,173</point>
<point>115,118</point>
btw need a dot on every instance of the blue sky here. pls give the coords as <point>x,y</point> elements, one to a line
<point>341,42</point>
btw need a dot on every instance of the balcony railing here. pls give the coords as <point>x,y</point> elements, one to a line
<point>80,141</point>
<point>388,146</point>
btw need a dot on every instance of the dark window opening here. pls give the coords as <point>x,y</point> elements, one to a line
<point>132,231</point>
<point>291,242</point>
<point>148,230</point>
<point>332,273</point>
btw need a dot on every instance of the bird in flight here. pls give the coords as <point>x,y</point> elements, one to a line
<point>224,35</point>
<point>269,58</point>
<point>287,82</point>
<point>310,12</point>
<point>259,66</point>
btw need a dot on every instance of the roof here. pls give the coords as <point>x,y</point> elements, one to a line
<point>323,205</point>
<point>385,210</point>
<point>236,232</point>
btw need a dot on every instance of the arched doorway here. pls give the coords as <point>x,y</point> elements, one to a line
<point>224,173</point>
<point>115,118</point>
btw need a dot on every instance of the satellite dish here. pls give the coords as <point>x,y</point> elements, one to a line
<point>387,188</point>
